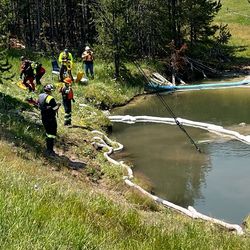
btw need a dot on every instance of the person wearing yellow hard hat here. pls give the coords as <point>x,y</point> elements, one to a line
<point>66,61</point>
<point>67,97</point>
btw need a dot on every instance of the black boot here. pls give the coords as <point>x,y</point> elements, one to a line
<point>50,145</point>
<point>67,123</point>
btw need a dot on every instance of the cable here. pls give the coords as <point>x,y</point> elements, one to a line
<point>168,108</point>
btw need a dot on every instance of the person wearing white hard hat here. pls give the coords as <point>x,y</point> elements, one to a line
<point>48,106</point>
<point>88,60</point>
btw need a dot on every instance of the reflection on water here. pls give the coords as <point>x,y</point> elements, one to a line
<point>227,190</point>
<point>214,182</point>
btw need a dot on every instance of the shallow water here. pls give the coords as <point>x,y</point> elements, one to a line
<point>216,182</point>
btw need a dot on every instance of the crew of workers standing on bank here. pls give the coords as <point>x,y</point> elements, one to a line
<point>31,74</point>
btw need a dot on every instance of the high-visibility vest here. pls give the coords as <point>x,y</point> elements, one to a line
<point>66,58</point>
<point>88,56</point>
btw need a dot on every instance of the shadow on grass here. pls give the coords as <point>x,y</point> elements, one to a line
<point>237,61</point>
<point>66,161</point>
<point>25,133</point>
<point>82,127</point>
<point>17,129</point>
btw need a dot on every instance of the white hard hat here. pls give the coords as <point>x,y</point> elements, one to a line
<point>48,87</point>
<point>87,48</point>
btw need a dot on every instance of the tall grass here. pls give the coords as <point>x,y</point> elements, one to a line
<point>40,209</point>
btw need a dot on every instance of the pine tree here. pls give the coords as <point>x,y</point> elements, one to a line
<point>197,17</point>
<point>4,67</point>
<point>4,64</point>
<point>112,26</point>
<point>129,29</point>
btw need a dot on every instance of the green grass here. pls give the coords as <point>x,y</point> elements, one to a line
<point>234,11</point>
<point>236,14</point>
<point>42,209</point>
<point>90,209</point>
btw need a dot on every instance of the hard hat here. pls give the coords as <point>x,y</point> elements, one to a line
<point>66,50</point>
<point>67,80</point>
<point>48,87</point>
<point>87,48</point>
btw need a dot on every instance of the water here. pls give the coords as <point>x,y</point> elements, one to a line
<point>216,182</point>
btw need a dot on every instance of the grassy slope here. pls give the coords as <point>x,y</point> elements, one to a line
<point>89,208</point>
<point>86,209</point>
<point>236,14</point>
<point>44,209</point>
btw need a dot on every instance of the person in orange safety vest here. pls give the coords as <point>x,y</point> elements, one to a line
<point>67,97</point>
<point>88,60</point>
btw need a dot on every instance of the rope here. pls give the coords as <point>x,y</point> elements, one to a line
<point>168,108</point>
<point>200,65</point>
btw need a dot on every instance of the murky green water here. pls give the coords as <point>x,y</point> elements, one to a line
<point>216,182</point>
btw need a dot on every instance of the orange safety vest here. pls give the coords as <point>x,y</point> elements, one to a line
<point>88,56</point>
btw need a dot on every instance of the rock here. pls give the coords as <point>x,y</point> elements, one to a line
<point>246,223</point>
<point>242,124</point>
